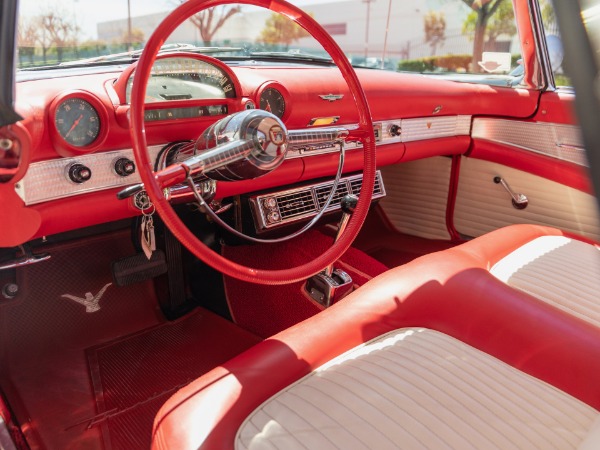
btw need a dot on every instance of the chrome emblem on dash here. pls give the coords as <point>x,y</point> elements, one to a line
<point>91,302</point>
<point>277,135</point>
<point>332,97</point>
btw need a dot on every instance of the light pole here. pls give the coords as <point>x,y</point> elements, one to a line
<point>129,43</point>
<point>368,2</point>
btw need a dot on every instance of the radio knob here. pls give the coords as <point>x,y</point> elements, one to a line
<point>273,217</point>
<point>78,173</point>
<point>270,202</point>
<point>124,167</point>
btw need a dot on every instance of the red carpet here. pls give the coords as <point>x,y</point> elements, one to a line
<point>135,375</point>
<point>266,310</point>
<point>379,239</point>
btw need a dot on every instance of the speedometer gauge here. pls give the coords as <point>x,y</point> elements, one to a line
<point>77,122</point>
<point>271,100</point>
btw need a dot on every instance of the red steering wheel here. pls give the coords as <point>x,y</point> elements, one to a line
<point>155,184</point>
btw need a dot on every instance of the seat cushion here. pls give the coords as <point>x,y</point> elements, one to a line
<point>558,270</point>
<point>417,388</point>
<point>451,292</point>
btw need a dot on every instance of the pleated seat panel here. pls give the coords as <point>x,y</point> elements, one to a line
<point>417,388</point>
<point>560,271</point>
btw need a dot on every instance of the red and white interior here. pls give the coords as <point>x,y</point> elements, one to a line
<point>503,300</point>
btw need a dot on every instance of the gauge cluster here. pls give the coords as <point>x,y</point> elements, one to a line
<point>185,78</point>
<point>153,115</point>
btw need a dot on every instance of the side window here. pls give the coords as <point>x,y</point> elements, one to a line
<point>463,37</point>
<point>554,43</point>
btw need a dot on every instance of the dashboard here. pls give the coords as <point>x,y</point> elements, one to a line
<point>80,149</point>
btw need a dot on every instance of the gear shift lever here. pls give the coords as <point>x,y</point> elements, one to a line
<point>331,284</point>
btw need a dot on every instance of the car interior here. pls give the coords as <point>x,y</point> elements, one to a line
<point>206,252</point>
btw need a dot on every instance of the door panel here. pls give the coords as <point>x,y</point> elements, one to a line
<point>483,206</point>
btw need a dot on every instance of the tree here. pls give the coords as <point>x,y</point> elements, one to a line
<point>483,10</point>
<point>211,20</point>
<point>434,25</point>
<point>548,17</point>
<point>279,29</point>
<point>26,39</point>
<point>502,22</point>
<point>58,30</point>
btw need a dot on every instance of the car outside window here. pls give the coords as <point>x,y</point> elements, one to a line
<point>470,40</point>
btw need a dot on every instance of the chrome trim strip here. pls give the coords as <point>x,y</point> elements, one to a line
<point>46,180</point>
<point>423,128</point>
<point>416,129</point>
<point>558,141</point>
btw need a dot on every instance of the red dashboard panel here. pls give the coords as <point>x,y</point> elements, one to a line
<point>309,93</point>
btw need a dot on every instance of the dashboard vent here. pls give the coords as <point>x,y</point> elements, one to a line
<point>356,184</point>
<point>295,204</point>
<point>323,193</point>
<point>281,208</point>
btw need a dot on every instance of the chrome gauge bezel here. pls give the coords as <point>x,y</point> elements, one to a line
<point>62,144</point>
<point>284,109</point>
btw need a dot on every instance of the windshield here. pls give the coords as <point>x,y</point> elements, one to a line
<point>458,37</point>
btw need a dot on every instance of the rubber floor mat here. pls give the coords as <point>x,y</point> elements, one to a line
<point>66,305</point>
<point>133,376</point>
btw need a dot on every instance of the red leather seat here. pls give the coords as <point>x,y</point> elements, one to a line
<point>451,292</point>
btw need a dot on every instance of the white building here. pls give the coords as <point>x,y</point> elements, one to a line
<point>345,20</point>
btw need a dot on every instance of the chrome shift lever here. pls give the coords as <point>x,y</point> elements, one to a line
<point>331,284</point>
<point>348,205</point>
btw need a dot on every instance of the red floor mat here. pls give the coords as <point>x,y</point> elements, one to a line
<point>134,376</point>
<point>44,370</point>
<point>266,310</point>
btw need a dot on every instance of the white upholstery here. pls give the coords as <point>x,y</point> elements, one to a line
<point>416,196</point>
<point>560,271</point>
<point>417,388</point>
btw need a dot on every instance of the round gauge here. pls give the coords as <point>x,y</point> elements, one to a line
<point>271,100</point>
<point>77,122</point>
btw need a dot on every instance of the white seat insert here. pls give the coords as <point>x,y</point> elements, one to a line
<point>557,270</point>
<point>417,388</point>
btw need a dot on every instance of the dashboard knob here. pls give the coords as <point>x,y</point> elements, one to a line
<point>78,173</point>
<point>124,167</point>
<point>395,130</point>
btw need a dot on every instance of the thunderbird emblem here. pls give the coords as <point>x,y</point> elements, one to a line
<point>332,97</point>
<point>277,135</point>
<point>91,302</point>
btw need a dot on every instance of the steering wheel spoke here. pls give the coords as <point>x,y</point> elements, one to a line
<point>171,175</point>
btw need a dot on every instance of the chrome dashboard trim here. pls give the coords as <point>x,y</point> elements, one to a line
<point>414,129</point>
<point>558,141</point>
<point>422,128</point>
<point>46,180</point>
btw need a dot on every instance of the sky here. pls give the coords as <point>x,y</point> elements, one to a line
<point>89,12</point>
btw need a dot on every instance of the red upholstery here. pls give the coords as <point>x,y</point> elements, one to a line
<point>451,291</point>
